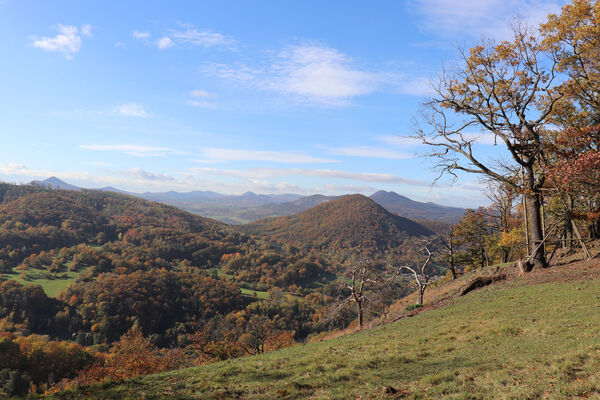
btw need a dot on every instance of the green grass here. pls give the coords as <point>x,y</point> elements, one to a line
<point>47,281</point>
<point>524,342</point>
<point>257,294</point>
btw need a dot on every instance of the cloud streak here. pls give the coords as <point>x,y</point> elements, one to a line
<point>265,173</point>
<point>371,152</point>
<point>214,154</point>
<point>133,150</point>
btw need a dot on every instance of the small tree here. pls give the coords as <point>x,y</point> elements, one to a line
<point>470,235</point>
<point>422,276</point>
<point>359,276</point>
<point>257,333</point>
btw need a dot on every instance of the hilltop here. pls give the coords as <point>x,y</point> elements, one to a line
<point>347,222</point>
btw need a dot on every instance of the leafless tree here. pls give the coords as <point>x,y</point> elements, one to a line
<point>422,276</point>
<point>359,276</point>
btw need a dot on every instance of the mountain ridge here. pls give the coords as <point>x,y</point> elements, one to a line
<point>250,207</point>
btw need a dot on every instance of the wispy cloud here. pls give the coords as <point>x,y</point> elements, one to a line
<point>213,154</point>
<point>187,35</point>
<point>476,17</point>
<point>265,173</point>
<point>238,72</point>
<point>371,152</point>
<point>133,149</point>
<point>201,37</point>
<point>132,110</point>
<point>68,40</point>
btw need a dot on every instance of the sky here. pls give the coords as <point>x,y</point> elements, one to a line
<point>234,96</point>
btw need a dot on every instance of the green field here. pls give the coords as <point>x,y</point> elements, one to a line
<point>505,342</point>
<point>257,294</point>
<point>46,280</point>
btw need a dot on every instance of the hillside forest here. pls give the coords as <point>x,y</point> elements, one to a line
<point>98,286</point>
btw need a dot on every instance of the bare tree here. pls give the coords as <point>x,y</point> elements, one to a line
<point>422,277</point>
<point>359,276</point>
<point>507,90</point>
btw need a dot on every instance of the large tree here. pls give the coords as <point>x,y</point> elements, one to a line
<point>508,90</point>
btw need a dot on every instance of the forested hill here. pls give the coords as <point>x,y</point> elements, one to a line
<point>348,222</point>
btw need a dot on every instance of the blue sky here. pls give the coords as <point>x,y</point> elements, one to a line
<point>268,96</point>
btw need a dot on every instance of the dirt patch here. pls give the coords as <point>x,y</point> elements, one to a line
<point>481,281</point>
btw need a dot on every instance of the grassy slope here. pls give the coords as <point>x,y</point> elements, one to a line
<point>522,339</point>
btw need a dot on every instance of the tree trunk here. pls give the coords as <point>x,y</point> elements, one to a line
<point>504,256</point>
<point>534,211</point>
<point>535,231</point>
<point>452,266</point>
<point>360,314</point>
<point>421,293</point>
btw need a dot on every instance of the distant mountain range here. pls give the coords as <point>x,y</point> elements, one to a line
<point>250,207</point>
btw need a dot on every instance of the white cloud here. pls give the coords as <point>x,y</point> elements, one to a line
<point>164,43</point>
<point>68,41</point>
<point>211,154</point>
<point>203,38</point>
<point>139,173</point>
<point>202,93</point>
<point>140,35</point>
<point>476,17</point>
<point>132,110</point>
<point>372,152</point>
<point>133,149</point>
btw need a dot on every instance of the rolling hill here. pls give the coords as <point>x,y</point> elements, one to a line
<point>348,222</point>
